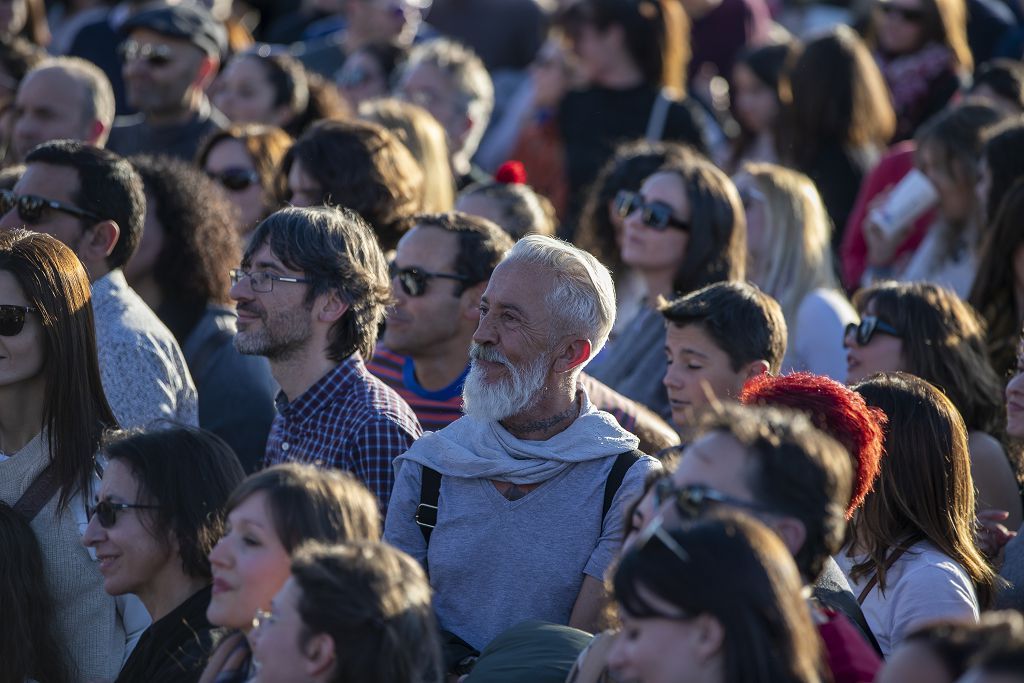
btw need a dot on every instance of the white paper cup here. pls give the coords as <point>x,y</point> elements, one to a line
<point>908,201</point>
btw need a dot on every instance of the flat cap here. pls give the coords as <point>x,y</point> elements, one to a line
<point>185,21</point>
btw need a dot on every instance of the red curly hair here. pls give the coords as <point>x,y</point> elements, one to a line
<point>834,409</point>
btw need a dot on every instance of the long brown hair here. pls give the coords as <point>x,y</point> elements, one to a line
<point>924,491</point>
<point>944,22</point>
<point>76,413</point>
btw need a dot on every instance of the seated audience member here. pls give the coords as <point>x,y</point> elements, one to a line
<point>717,338</point>
<point>441,268</point>
<point>360,166</point>
<point>359,611</point>
<point>798,480</point>
<point>29,647</point>
<point>272,88</point>
<point>756,103</point>
<point>269,516</point>
<point>927,331</point>
<point>159,510</point>
<point>941,652</point>
<point>510,203</point>
<point>447,79</point>
<point>911,554</point>
<point>836,410</point>
<point>368,72</point>
<point>181,270</point>
<point>49,435</point>
<point>425,139</point>
<point>171,55</point>
<point>684,230</point>
<point>717,600</point>
<point>93,201</point>
<point>311,293</point>
<point>1001,661</point>
<point>62,98</point>
<point>244,160</point>
<point>949,146</point>
<point>531,446</point>
<point>834,144</point>
<point>789,257</point>
<point>601,228</point>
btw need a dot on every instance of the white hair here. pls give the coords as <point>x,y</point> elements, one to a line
<point>583,299</point>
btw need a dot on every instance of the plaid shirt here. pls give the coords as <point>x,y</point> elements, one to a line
<point>349,420</point>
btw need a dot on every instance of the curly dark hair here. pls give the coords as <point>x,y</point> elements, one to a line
<point>200,243</point>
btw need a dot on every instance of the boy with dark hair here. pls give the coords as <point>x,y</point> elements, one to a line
<point>719,337</point>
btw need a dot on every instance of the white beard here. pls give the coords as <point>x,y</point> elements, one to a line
<point>508,396</point>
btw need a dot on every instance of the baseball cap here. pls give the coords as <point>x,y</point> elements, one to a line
<point>184,21</point>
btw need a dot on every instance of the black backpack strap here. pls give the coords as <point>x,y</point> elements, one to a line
<point>426,511</point>
<point>615,477</point>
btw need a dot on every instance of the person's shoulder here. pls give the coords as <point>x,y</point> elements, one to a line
<point>925,565</point>
<point>824,304</point>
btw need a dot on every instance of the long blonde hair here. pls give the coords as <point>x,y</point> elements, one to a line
<point>799,234</point>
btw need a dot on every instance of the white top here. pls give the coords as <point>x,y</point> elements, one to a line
<point>922,586</point>
<point>816,336</point>
<point>955,271</point>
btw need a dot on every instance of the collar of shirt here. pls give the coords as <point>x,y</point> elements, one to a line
<point>337,382</point>
<point>108,287</point>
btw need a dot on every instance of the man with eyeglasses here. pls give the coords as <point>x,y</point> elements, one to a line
<point>171,54</point>
<point>525,511</point>
<point>311,293</point>
<point>775,465</point>
<point>92,200</point>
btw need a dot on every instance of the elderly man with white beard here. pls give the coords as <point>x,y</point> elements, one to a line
<point>516,509</point>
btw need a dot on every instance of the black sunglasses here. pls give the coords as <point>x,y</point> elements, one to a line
<point>691,501</point>
<point>654,215</point>
<point>155,55</point>
<point>236,179</point>
<point>414,280</point>
<point>106,511</point>
<point>865,330</point>
<point>31,207</point>
<point>12,319</point>
<point>910,15</point>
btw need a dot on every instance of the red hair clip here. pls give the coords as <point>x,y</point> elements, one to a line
<point>511,173</point>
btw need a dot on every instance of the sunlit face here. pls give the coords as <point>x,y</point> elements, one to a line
<point>21,355</point>
<point>755,103</point>
<point>955,185</point>
<point>164,88</point>
<point>230,154</point>
<point>245,95</point>
<point>278,651</point>
<point>647,249</point>
<point>1015,399</point>
<point>899,27</point>
<point>914,662</point>
<point>59,183</point>
<point>883,353</point>
<point>250,565</point>
<point>716,460</point>
<point>50,105</point>
<point>426,85</point>
<point>698,371</point>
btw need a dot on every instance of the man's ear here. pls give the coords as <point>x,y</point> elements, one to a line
<point>97,132</point>
<point>577,352</point>
<point>470,303</point>
<point>758,367</point>
<point>792,532</point>
<point>206,72</point>
<point>98,241</point>
<point>320,656</point>
<point>709,636</point>
<point>330,307</point>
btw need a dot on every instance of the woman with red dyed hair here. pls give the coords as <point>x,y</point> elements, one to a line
<point>836,410</point>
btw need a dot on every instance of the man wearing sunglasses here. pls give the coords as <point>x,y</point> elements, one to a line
<point>525,522</point>
<point>311,293</point>
<point>92,200</point>
<point>64,98</point>
<point>775,465</point>
<point>170,55</point>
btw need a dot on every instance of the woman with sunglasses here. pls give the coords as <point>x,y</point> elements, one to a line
<point>715,601</point>
<point>159,511</point>
<point>269,516</point>
<point>53,413</point>
<point>244,161</point>
<point>911,555</point>
<point>789,257</point>
<point>683,230</point>
<point>921,48</point>
<point>181,270</point>
<point>929,332</point>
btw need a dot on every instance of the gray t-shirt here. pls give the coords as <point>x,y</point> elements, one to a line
<point>494,563</point>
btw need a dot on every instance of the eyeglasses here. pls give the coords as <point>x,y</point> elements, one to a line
<point>12,319</point>
<point>691,501</point>
<point>31,207</point>
<point>414,280</point>
<point>155,55</point>
<point>261,281</point>
<point>235,179</point>
<point>866,329</point>
<point>106,511</point>
<point>910,15</point>
<point>262,618</point>
<point>656,215</point>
